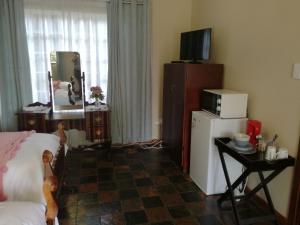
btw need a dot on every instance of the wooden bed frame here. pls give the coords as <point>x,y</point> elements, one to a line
<point>53,176</point>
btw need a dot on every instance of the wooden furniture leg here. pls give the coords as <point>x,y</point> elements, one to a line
<point>49,187</point>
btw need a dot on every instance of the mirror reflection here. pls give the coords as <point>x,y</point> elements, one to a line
<point>66,80</point>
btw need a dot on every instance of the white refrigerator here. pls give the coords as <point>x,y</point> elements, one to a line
<point>205,164</point>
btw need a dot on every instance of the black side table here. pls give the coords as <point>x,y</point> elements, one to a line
<point>252,163</point>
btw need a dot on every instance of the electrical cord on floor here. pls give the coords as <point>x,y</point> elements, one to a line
<point>155,144</point>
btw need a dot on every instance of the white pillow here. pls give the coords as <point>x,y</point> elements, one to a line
<point>22,213</point>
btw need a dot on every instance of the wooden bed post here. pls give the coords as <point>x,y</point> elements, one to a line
<point>53,176</point>
<point>49,187</point>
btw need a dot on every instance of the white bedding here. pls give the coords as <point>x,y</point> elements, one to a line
<point>23,180</point>
<point>22,213</point>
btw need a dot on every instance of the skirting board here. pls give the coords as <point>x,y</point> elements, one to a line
<point>280,218</point>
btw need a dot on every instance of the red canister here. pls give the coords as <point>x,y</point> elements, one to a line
<point>253,129</point>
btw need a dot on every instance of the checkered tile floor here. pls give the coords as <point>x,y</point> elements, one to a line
<point>132,186</point>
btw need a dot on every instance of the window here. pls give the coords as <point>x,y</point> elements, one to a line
<point>77,25</point>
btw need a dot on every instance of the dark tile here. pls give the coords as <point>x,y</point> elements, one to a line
<point>105,170</point>
<point>72,181</point>
<point>172,171</point>
<point>87,198</point>
<point>197,208</point>
<point>87,165</point>
<point>139,174</point>
<point>88,210</point>
<point>88,172</point>
<point>161,180</point>
<point>110,207</point>
<point>105,178</point>
<point>127,194</point>
<point>136,217</point>
<point>107,186</point>
<point>167,164</point>
<point>172,199</point>
<point>209,220</point>
<point>186,187</point>
<point>68,200</point>
<point>187,221</point>
<point>108,196</point>
<point>158,214</point>
<point>147,191</point>
<point>123,176</point>
<point>67,212</point>
<point>69,189</point>
<point>122,169</point>
<point>143,182</point>
<point>89,179</point>
<point>105,164</point>
<point>156,172</point>
<point>190,196</point>
<point>166,189</point>
<point>163,223</point>
<point>125,184</point>
<point>89,187</point>
<point>67,222</point>
<point>179,212</point>
<point>138,166</point>
<point>95,220</point>
<point>178,179</point>
<point>133,204</point>
<point>150,202</point>
<point>112,219</point>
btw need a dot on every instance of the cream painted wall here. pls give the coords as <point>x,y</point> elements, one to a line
<point>169,19</point>
<point>258,41</point>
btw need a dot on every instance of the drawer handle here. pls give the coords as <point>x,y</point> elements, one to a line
<point>98,119</point>
<point>98,132</point>
<point>31,122</point>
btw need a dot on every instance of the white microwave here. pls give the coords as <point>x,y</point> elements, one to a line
<point>225,103</point>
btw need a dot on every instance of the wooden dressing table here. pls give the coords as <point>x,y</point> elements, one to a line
<point>95,122</point>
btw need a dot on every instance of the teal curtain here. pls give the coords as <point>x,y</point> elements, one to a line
<point>129,75</point>
<point>15,83</point>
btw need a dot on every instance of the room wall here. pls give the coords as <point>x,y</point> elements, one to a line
<point>169,19</point>
<point>258,42</point>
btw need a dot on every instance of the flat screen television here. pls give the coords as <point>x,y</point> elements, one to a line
<point>195,45</point>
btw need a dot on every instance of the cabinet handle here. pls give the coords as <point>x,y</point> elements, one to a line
<point>31,122</point>
<point>98,119</point>
<point>98,132</point>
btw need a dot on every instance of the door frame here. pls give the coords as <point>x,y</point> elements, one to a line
<point>294,215</point>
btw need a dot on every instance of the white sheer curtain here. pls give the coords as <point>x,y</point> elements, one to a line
<point>66,25</point>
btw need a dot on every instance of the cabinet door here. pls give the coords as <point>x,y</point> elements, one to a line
<point>32,121</point>
<point>98,126</point>
<point>173,96</point>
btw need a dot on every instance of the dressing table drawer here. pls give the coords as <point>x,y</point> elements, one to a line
<point>97,126</point>
<point>32,121</point>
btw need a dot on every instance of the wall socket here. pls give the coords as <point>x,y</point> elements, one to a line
<point>296,71</point>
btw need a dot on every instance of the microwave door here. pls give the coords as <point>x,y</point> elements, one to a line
<point>210,102</point>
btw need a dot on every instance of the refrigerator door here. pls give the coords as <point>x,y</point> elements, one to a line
<point>216,178</point>
<point>200,142</point>
<point>205,165</point>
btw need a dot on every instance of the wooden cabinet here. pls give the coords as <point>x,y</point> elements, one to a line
<point>183,84</point>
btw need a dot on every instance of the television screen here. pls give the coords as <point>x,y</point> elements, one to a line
<point>195,45</point>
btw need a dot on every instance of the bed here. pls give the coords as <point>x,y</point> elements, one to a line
<point>32,213</point>
<point>34,172</point>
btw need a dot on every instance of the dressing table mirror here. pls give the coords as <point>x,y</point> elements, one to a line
<point>66,81</point>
